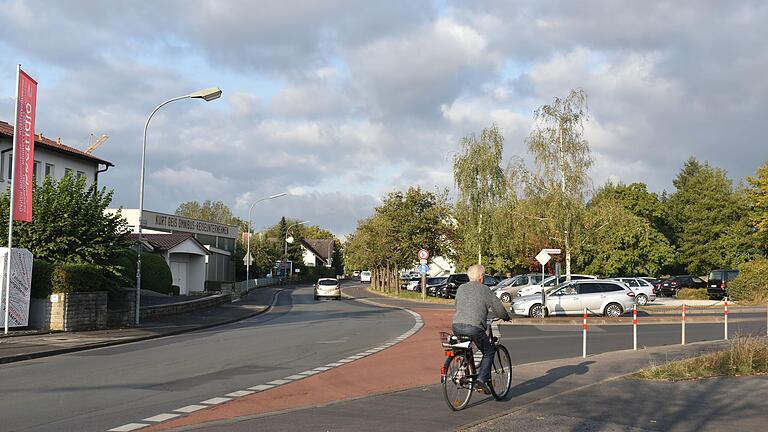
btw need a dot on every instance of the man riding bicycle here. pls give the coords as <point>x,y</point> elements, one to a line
<point>473,300</point>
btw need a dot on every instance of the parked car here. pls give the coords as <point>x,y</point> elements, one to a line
<point>603,297</point>
<point>355,273</point>
<point>413,284</point>
<point>327,287</point>
<point>433,284</point>
<point>670,287</point>
<point>365,276</point>
<point>717,283</point>
<point>507,289</point>
<point>644,290</point>
<point>550,282</point>
<point>452,283</point>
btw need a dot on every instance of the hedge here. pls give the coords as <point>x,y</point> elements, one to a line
<point>752,283</point>
<point>155,274</point>
<point>41,278</point>
<point>72,277</point>
<point>692,294</point>
<point>126,266</point>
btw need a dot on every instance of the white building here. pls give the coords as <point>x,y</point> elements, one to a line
<point>317,252</point>
<point>185,256</point>
<point>52,159</point>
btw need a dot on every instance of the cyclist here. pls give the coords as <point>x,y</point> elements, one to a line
<point>473,300</point>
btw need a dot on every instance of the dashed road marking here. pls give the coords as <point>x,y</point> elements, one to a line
<point>322,368</point>
<point>129,427</point>
<point>190,408</point>
<point>309,372</point>
<point>333,365</point>
<point>240,393</point>
<point>161,417</point>
<point>294,377</point>
<point>216,401</point>
<point>261,387</point>
<point>279,382</point>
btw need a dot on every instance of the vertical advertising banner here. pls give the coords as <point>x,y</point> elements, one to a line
<point>24,151</point>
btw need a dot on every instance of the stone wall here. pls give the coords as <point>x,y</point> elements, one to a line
<point>187,306</point>
<point>78,311</point>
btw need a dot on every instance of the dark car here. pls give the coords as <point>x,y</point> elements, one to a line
<point>448,289</point>
<point>717,282</point>
<point>672,285</point>
<point>434,283</point>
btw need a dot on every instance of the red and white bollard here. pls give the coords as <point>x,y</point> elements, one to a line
<point>584,339</point>
<point>683,324</point>
<point>725,312</point>
<point>634,328</point>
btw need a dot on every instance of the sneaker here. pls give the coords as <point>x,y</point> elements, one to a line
<point>483,387</point>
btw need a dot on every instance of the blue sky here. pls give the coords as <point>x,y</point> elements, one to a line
<point>341,101</point>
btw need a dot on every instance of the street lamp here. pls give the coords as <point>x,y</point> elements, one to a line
<point>207,95</point>
<point>248,248</point>
<point>285,255</point>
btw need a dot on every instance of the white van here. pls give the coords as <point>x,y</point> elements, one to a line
<point>365,276</point>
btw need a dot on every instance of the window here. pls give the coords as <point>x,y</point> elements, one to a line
<point>49,170</point>
<point>630,282</point>
<point>80,174</point>
<point>590,288</point>
<point>462,278</point>
<point>566,290</point>
<point>67,171</point>
<point>609,287</point>
<point>35,170</point>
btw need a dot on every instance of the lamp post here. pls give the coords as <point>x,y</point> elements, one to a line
<point>207,95</point>
<point>285,254</point>
<point>248,247</point>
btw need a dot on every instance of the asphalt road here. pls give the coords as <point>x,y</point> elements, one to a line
<point>100,389</point>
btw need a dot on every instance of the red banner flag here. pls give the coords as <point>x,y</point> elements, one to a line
<point>24,148</point>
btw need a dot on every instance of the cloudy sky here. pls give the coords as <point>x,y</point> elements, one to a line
<point>341,101</point>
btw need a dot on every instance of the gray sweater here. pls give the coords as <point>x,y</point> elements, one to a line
<point>473,300</point>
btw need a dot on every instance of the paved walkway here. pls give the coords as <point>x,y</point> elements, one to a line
<point>28,346</point>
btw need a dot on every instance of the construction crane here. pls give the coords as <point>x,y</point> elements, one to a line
<point>99,141</point>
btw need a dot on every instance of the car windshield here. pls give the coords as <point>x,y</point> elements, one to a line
<point>327,282</point>
<point>435,281</point>
<point>505,282</point>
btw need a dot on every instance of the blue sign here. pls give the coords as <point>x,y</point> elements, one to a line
<point>423,268</point>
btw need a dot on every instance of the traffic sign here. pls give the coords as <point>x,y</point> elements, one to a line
<point>543,257</point>
<point>423,254</point>
<point>422,261</point>
<point>552,251</point>
<point>248,259</point>
<point>423,268</point>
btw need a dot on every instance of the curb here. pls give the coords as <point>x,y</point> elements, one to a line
<point>59,351</point>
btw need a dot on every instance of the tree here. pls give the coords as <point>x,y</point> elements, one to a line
<point>757,197</point>
<point>708,217</point>
<point>211,211</point>
<point>562,159</point>
<point>69,224</point>
<point>481,186</point>
<point>636,199</point>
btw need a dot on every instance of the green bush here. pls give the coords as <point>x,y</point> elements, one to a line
<point>692,294</point>
<point>125,264</point>
<point>155,274</point>
<point>752,283</point>
<point>72,277</point>
<point>41,278</point>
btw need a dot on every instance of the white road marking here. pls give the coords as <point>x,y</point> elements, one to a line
<point>216,400</point>
<point>129,427</point>
<point>190,408</point>
<point>162,417</point>
<point>309,372</point>
<point>279,382</point>
<point>240,393</point>
<point>294,377</point>
<point>322,368</point>
<point>261,387</point>
<point>346,360</point>
<point>334,364</point>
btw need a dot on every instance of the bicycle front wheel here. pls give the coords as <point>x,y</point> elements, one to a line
<point>457,382</point>
<point>501,373</point>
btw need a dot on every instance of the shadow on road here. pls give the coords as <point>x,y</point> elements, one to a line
<point>553,375</point>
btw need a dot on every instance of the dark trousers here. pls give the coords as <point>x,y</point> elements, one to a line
<point>480,339</point>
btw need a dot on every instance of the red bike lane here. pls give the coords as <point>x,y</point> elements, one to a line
<point>411,363</point>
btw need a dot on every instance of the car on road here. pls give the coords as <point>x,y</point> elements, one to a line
<point>454,281</point>
<point>599,296</point>
<point>550,282</point>
<point>328,287</point>
<point>644,290</point>
<point>355,273</point>
<point>670,287</point>
<point>507,289</point>
<point>365,276</point>
<point>717,282</point>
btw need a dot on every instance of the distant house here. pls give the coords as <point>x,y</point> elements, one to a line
<point>185,255</point>
<point>318,252</point>
<point>52,159</point>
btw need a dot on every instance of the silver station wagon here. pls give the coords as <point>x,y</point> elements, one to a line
<point>600,297</point>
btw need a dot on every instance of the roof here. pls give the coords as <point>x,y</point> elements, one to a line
<point>166,242</point>
<point>49,144</point>
<point>322,248</point>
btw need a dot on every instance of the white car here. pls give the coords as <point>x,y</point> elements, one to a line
<point>550,282</point>
<point>365,276</point>
<point>602,297</point>
<point>644,291</point>
<point>328,287</point>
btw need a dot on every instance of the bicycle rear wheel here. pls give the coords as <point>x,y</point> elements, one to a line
<point>457,382</point>
<point>501,373</point>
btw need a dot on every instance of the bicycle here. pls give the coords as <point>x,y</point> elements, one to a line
<point>459,373</point>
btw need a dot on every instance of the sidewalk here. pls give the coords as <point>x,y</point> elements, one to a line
<point>36,345</point>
